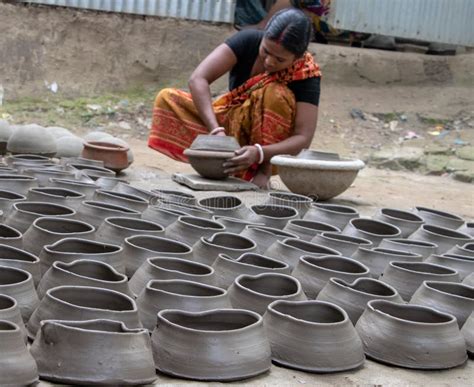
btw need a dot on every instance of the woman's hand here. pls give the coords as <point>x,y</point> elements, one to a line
<point>243,159</point>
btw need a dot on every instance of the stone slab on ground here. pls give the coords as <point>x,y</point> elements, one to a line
<point>466,153</point>
<point>397,158</point>
<point>196,182</point>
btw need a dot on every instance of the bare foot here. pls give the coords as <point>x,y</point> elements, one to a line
<point>261,180</point>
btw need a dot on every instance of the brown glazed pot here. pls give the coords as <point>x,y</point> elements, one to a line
<point>17,366</point>
<point>162,216</point>
<point>175,196</point>
<point>345,244</point>
<point>314,272</point>
<point>468,332</point>
<point>406,221</point>
<point>114,156</point>
<point>19,184</point>
<point>56,195</point>
<point>272,215</point>
<point>10,311</point>
<point>7,198</point>
<point>445,238</point>
<point>189,229</point>
<point>10,236</point>
<point>234,225</point>
<point>230,206</point>
<point>256,292</point>
<point>21,259</point>
<point>425,249</point>
<point>133,202</point>
<point>184,295</point>
<point>411,336</point>
<point>96,212</point>
<point>353,297</point>
<point>373,230</point>
<point>464,265</point>
<point>439,218</point>
<point>333,214</point>
<point>168,268</point>
<point>215,345</point>
<point>85,188</point>
<point>264,236</point>
<point>300,203</point>
<point>83,272</point>
<point>94,352</point>
<point>308,229</point>
<point>312,336</point>
<point>466,250</point>
<point>81,303</point>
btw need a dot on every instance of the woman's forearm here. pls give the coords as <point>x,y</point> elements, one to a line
<point>291,146</point>
<point>202,99</point>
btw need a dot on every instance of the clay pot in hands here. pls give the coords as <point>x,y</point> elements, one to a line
<point>189,229</point>
<point>425,249</point>
<point>121,199</point>
<point>312,336</point>
<point>19,184</point>
<point>353,297</point>
<point>83,272</point>
<point>406,221</point>
<point>184,295</point>
<point>445,238</point>
<point>10,311</point>
<point>264,236</point>
<point>439,218</point>
<point>466,250</point>
<point>175,196</point>
<point>7,198</point>
<point>10,236</point>
<point>94,352</point>
<point>235,342</point>
<point>256,292</point>
<point>230,206</point>
<point>162,216</point>
<point>308,229</point>
<point>411,336</point>
<point>13,257</point>
<point>463,265</point>
<point>373,230</point>
<point>96,212</point>
<point>336,215</point>
<point>56,195</point>
<point>114,156</point>
<point>468,332</point>
<point>83,187</point>
<point>467,228</point>
<point>116,229</point>
<point>300,203</point>
<point>314,272</point>
<point>407,277</point>
<point>17,366</point>
<point>272,215</point>
<point>234,225</point>
<point>345,244</point>
<point>228,269</point>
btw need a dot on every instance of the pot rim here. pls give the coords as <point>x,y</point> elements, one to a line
<point>77,195</point>
<point>130,240</point>
<point>41,219</point>
<point>301,199</point>
<point>185,282</point>
<point>330,251</point>
<point>341,282</point>
<point>77,326</point>
<point>151,262</point>
<point>238,262</point>
<point>16,328</point>
<point>463,247</point>
<point>167,210</point>
<point>110,219</point>
<point>304,261</point>
<point>106,146</point>
<point>19,234</point>
<point>222,197</point>
<point>349,239</point>
<point>272,231</point>
<point>56,265</point>
<point>337,165</point>
<point>34,260</point>
<point>97,204</point>
<point>122,196</point>
<point>173,193</point>
<point>332,209</point>
<point>185,218</point>
<point>263,295</point>
<point>439,214</point>
<point>210,242</point>
<point>13,193</point>
<point>73,182</point>
<point>428,284</point>
<point>12,300</point>
<point>29,276</point>
<point>394,252</point>
<point>22,202</point>
<point>208,154</point>
<point>165,203</point>
<point>395,266</point>
<point>461,236</point>
<point>82,240</point>
<point>291,209</point>
<point>399,232</point>
<point>412,242</point>
<point>293,222</point>
<point>454,257</point>
<point>235,220</point>
<point>11,177</point>
<point>419,221</point>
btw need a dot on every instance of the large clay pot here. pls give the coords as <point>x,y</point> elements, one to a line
<point>373,230</point>
<point>314,272</point>
<point>308,229</point>
<point>272,215</point>
<point>228,269</point>
<point>264,236</point>
<point>69,146</point>
<point>345,244</point>
<point>234,341</point>
<point>411,336</point>
<point>162,216</point>
<point>83,187</point>
<point>130,189</point>
<point>185,295</point>
<point>19,184</point>
<point>290,250</point>
<point>19,285</point>
<point>116,229</point>
<point>189,229</point>
<point>138,248</point>
<point>467,228</point>
<point>43,175</point>
<point>256,292</point>
<point>96,212</point>
<point>445,238</point>
<point>13,257</point>
<point>230,206</point>
<point>175,196</point>
<point>468,332</point>
<point>378,258</point>
<point>48,230</point>
<point>83,272</point>
<point>32,139</point>
<point>168,268</point>
<point>333,214</point>
<point>464,265</point>
<point>439,218</point>
<point>234,225</point>
<point>300,203</point>
<point>406,221</point>
<point>125,200</point>
<point>114,156</point>
<point>7,198</point>
<point>10,236</point>
<point>406,277</point>
<point>312,336</point>
<point>10,311</point>
<point>69,249</point>
<point>81,303</point>
<point>353,297</point>
<point>467,250</point>
<point>448,297</point>
<point>425,249</point>
<point>56,195</point>
<point>17,366</point>
<point>95,352</point>
<point>188,209</point>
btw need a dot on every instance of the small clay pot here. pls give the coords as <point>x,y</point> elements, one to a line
<point>353,297</point>
<point>448,297</point>
<point>469,280</point>
<point>468,333</point>
<point>345,244</point>
<point>256,292</point>
<point>114,156</point>
<point>85,188</point>
<point>462,264</point>
<point>439,218</point>
<point>467,228</point>
<point>300,203</point>
<point>162,216</point>
<point>175,196</point>
<point>230,206</point>
<point>206,250</point>
<point>377,259</point>
<point>425,249</point>
<point>314,272</point>
<point>406,277</point>
<point>30,158</point>
<point>445,238</point>
<point>272,216</point>
<point>312,336</point>
<point>308,229</point>
<point>234,339</point>
<point>467,250</point>
<point>43,175</point>
<point>18,284</point>
<point>19,184</point>
<point>95,352</point>
<point>17,366</point>
<point>10,311</point>
<point>138,248</point>
<point>116,229</point>
<point>125,200</point>
<point>168,268</point>
<point>373,230</point>
<point>189,229</point>
<point>184,295</point>
<point>10,236</point>
<point>96,212</point>
<point>406,221</point>
<point>81,303</point>
<point>197,211</point>
<point>411,336</point>
<point>83,272</point>
<point>130,189</point>
<point>264,236</point>
<point>209,164</point>
<point>56,195</point>
<point>7,198</point>
<point>13,257</point>
<point>333,214</point>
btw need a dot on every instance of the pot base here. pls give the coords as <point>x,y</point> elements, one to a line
<point>397,364</point>
<point>215,378</point>
<point>89,382</point>
<point>316,370</point>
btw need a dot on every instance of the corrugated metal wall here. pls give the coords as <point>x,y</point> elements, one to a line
<point>205,10</point>
<point>444,21</point>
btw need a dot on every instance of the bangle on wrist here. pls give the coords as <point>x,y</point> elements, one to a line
<point>217,130</point>
<point>261,155</point>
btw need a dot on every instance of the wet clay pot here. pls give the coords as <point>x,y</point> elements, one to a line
<point>406,221</point>
<point>30,158</point>
<point>43,175</point>
<point>234,340</point>
<point>308,229</point>
<point>175,196</point>
<point>17,366</point>
<point>121,199</point>
<point>378,258</point>
<point>290,250</point>
<point>334,214</point>
<point>445,238</point>
<point>425,249</point>
<point>468,333</point>
<point>469,280</point>
<point>114,156</point>
<point>467,250</point>
<point>353,297</point>
<point>467,228</point>
<point>83,272</point>
<point>184,295</point>
<point>234,225</point>
<point>130,189</point>
<point>19,184</point>
<point>411,336</point>
<point>138,248</point>
<point>62,196</point>
<point>407,277</point>
<point>197,211</point>
<point>228,269</point>
<point>230,206</point>
<point>373,230</point>
<point>48,230</point>
<point>168,268</point>
<point>439,218</point>
<point>462,264</point>
<point>300,203</point>
<point>312,336</point>
<point>109,183</point>
<point>10,236</point>
<point>116,229</point>
<point>162,216</point>
<point>69,249</point>
<point>10,311</point>
<point>94,352</point>
<point>7,198</point>
<point>314,272</point>
<point>96,212</point>
<point>264,236</point>
<point>272,215</point>
<point>13,257</point>
<point>81,303</point>
<point>256,292</point>
<point>190,229</point>
<point>345,244</point>
<point>452,298</point>
<point>19,285</point>
<point>85,188</point>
